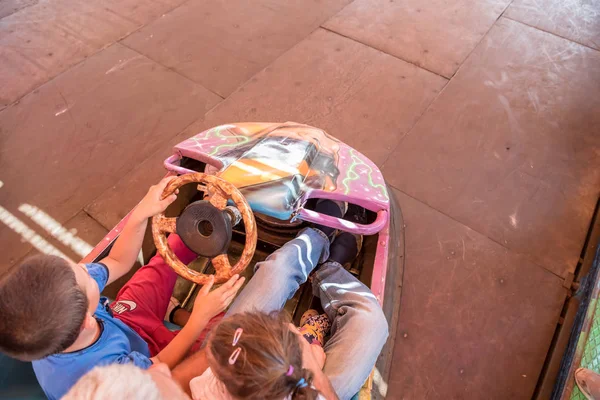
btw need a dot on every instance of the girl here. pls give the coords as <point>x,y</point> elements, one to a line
<point>258,355</point>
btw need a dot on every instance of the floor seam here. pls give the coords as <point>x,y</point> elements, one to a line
<point>482,38</point>
<point>527,256</point>
<point>247,80</point>
<point>144,160</point>
<point>551,33</point>
<point>408,62</point>
<point>284,53</point>
<point>415,123</point>
<point>104,47</point>
<point>153,153</point>
<point>171,69</point>
<point>384,52</point>
<point>18,10</point>
<point>83,210</point>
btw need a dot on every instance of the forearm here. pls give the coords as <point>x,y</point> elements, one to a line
<point>207,305</point>
<point>176,350</point>
<point>191,367</point>
<point>125,251</point>
<point>323,385</point>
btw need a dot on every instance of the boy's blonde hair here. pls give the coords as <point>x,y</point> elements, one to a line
<point>116,381</point>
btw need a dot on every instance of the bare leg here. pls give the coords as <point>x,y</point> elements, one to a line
<point>181,317</point>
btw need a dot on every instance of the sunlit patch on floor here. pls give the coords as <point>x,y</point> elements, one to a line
<point>28,234</point>
<point>513,220</point>
<point>54,228</point>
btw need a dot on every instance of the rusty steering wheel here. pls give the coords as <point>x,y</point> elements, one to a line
<point>220,191</point>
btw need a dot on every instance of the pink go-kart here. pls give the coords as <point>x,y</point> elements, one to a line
<point>273,174</point>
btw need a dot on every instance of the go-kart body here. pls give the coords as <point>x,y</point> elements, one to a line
<point>281,169</point>
<point>278,168</point>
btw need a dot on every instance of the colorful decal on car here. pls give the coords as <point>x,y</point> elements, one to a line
<point>358,170</point>
<point>276,165</point>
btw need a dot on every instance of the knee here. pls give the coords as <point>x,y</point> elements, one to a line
<point>374,324</point>
<point>280,269</point>
<point>379,325</point>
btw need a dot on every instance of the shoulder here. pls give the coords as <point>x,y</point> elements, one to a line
<point>56,375</point>
<point>207,386</point>
<point>97,268</point>
<point>99,272</point>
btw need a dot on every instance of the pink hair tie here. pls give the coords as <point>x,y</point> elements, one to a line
<point>290,371</point>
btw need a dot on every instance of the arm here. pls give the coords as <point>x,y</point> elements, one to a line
<point>124,252</point>
<point>313,359</point>
<point>207,305</point>
<point>191,367</point>
<point>322,384</point>
<point>181,343</point>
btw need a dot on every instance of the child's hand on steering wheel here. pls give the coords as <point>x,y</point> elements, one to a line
<point>208,304</point>
<point>153,203</point>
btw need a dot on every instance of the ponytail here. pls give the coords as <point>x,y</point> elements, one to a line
<point>268,364</point>
<point>301,385</point>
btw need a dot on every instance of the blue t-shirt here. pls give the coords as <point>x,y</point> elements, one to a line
<point>117,343</point>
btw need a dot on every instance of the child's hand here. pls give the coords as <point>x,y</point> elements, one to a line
<point>318,355</point>
<point>152,202</point>
<point>208,304</point>
<point>313,355</point>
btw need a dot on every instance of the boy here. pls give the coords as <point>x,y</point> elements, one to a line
<point>52,313</point>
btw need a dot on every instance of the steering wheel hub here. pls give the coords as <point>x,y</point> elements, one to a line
<point>205,227</point>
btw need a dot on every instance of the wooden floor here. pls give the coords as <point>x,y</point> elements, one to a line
<point>484,116</point>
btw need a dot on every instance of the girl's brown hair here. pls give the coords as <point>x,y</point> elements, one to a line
<point>268,348</point>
